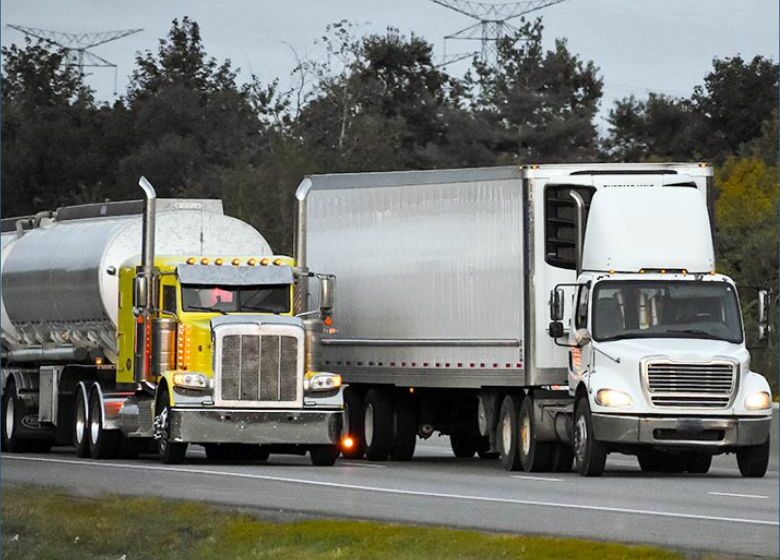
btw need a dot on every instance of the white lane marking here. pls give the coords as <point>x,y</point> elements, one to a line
<point>362,465</point>
<point>377,489</point>
<point>538,478</point>
<point>730,495</point>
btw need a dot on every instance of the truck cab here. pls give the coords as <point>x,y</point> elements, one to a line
<point>657,361</point>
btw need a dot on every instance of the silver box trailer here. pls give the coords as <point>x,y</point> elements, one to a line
<point>445,280</point>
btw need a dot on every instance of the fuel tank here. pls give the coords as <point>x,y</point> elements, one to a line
<point>59,281</point>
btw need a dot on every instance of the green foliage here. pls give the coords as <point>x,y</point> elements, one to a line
<point>542,104</point>
<point>40,523</point>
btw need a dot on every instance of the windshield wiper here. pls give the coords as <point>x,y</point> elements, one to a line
<point>204,308</point>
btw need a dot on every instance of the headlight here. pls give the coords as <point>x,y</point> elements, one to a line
<point>191,380</point>
<point>758,401</point>
<point>321,381</point>
<point>613,398</point>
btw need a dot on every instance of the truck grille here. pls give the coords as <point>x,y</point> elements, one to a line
<point>259,368</point>
<point>703,385</point>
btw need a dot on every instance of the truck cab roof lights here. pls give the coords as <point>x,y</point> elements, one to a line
<point>191,260</point>
<point>235,262</point>
<point>264,262</point>
<point>204,260</point>
<point>278,262</point>
<point>218,261</point>
<point>251,262</point>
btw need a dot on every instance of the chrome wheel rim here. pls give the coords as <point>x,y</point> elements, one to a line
<point>81,420</point>
<point>94,421</point>
<point>525,435</point>
<point>162,442</point>
<point>9,417</point>
<point>368,425</point>
<point>506,434</point>
<point>580,438</point>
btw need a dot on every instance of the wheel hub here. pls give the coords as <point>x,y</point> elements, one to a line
<point>368,425</point>
<point>580,438</point>
<point>81,422</point>
<point>94,421</point>
<point>9,417</point>
<point>525,435</point>
<point>506,434</point>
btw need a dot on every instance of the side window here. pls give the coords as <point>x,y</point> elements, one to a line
<point>581,315</point>
<point>559,224</point>
<point>169,299</point>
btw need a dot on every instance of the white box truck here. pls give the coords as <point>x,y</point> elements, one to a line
<point>543,314</point>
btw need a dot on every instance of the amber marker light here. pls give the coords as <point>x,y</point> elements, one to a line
<point>265,262</point>
<point>328,321</point>
<point>191,260</point>
<point>347,443</point>
<point>251,262</point>
<point>278,262</point>
<point>218,262</point>
<point>235,262</point>
<point>204,260</point>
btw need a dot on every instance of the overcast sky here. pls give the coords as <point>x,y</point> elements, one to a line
<point>640,45</point>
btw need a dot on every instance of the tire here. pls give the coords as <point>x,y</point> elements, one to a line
<point>483,450</point>
<point>463,446</point>
<point>171,452</point>
<point>698,462</point>
<point>405,436</point>
<point>378,425</point>
<point>508,433</point>
<point>562,458</point>
<point>650,461</point>
<point>535,456</point>
<point>103,444</point>
<point>353,423</point>
<point>12,418</point>
<point>324,455</point>
<point>81,423</point>
<point>589,455</point>
<point>754,460</point>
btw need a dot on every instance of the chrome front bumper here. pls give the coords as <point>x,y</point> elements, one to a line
<point>265,427</point>
<point>687,431</point>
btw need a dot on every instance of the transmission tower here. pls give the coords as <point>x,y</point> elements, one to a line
<point>76,46</point>
<point>492,24</point>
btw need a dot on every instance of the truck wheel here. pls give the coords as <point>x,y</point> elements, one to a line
<point>378,424</point>
<point>171,452</point>
<point>483,450</point>
<point>103,444</point>
<point>12,417</point>
<point>508,433</point>
<point>753,460</point>
<point>464,446</point>
<point>562,458</point>
<point>405,428</point>
<point>589,454</point>
<point>81,423</point>
<point>353,423</point>
<point>324,455</point>
<point>535,456</point>
<point>698,462</point>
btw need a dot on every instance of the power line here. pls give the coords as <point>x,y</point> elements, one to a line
<point>76,46</point>
<point>492,24</point>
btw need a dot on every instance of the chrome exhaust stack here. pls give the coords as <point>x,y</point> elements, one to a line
<point>144,284</point>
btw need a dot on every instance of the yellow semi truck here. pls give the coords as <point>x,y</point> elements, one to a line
<point>150,325</point>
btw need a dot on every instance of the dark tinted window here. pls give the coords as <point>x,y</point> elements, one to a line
<point>559,224</point>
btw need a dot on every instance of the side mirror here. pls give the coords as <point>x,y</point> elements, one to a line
<point>582,337</point>
<point>327,293</point>
<point>763,314</point>
<point>556,304</point>
<point>555,329</point>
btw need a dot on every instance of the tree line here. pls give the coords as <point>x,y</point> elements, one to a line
<point>378,102</point>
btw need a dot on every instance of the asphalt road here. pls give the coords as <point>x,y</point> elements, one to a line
<point>719,511</point>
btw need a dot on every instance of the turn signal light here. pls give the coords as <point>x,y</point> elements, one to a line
<point>347,442</point>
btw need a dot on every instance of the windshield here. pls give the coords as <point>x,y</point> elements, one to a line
<point>665,309</point>
<point>267,298</point>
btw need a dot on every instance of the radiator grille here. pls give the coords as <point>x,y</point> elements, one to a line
<point>709,385</point>
<point>259,368</point>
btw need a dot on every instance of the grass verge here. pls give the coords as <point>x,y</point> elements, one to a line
<point>43,523</point>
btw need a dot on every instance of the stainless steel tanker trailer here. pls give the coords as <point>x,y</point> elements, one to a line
<point>538,313</point>
<point>139,325</point>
